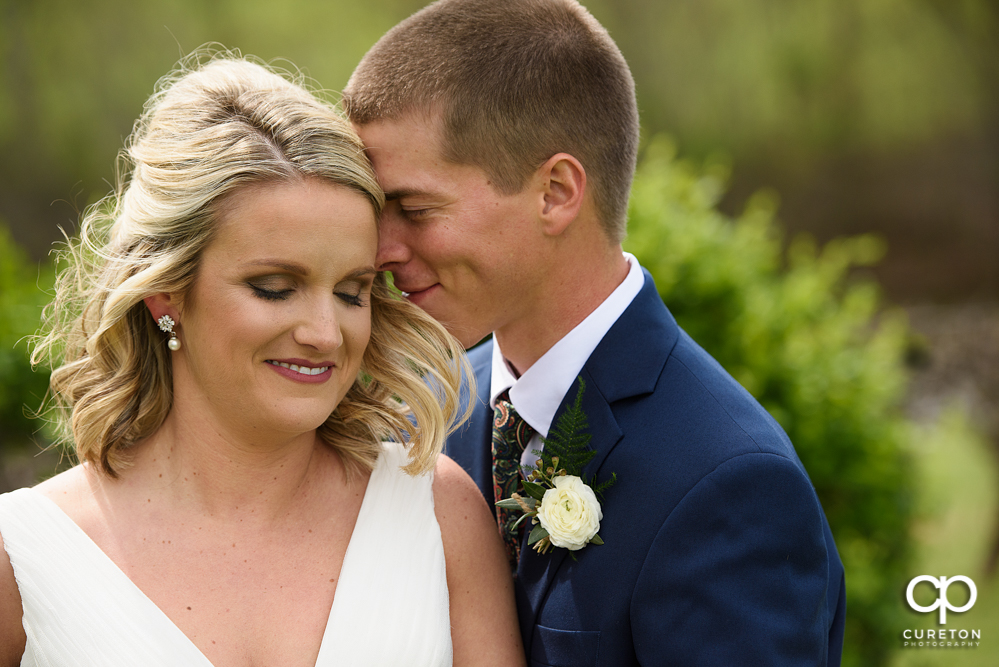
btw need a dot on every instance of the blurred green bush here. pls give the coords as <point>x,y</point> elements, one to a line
<point>24,290</point>
<point>813,346</point>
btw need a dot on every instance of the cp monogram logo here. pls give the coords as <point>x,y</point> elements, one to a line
<point>942,602</point>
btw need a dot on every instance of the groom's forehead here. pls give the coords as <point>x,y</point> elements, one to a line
<point>426,123</point>
<point>407,154</point>
<point>413,135</point>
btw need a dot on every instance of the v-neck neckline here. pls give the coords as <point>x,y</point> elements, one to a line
<point>60,516</point>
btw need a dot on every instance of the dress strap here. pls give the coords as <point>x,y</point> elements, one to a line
<point>391,603</point>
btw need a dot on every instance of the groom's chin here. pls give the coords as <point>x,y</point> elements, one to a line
<point>468,336</point>
<point>471,341</point>
<point>467,333</point>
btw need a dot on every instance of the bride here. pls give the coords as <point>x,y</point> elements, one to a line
<point>229,365</point>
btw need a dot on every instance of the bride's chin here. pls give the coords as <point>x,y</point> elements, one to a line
<point>284,424</point>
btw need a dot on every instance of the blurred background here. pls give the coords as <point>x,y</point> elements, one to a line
<point>796,122</point>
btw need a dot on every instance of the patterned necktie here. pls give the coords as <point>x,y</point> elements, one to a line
<point>510,436</point>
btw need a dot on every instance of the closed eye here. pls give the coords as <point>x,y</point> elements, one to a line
<point>271,295</point>
<point>415,213</point>
<point>351,299</point>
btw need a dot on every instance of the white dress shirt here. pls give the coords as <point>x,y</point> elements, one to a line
<point>537,394</point>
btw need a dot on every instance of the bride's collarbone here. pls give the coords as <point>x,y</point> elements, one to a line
<point>246,598</point>
<point>240,613</point>
<point>244,590</point>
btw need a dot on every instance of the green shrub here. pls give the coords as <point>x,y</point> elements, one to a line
<point>812,345</point>
<point>24,288</point>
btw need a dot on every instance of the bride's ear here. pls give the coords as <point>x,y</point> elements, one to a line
<point>162,304</point>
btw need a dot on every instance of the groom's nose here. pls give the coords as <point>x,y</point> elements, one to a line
<point>393,246</point>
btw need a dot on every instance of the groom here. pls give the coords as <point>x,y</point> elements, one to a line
<point>505,135</point>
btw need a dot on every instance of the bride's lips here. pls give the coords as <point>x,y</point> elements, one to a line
<point>303,370</point>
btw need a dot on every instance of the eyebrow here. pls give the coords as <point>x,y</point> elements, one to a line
<point>411,192</point>
<point>291,267</point>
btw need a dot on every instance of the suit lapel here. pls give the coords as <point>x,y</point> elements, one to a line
<point>630,358</point>
<point>627,362</point>
<point>536,572</point>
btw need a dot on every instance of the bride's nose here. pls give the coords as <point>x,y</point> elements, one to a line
<point>319,326</point>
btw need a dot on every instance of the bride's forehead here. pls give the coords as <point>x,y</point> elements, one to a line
<point>274,211</point>
<point>313,226</point>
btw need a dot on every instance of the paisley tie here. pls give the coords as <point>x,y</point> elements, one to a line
<point>510,436</point>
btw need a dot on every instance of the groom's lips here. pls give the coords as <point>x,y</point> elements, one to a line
<point>418,295</point>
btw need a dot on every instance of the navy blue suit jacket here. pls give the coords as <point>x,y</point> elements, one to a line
<point>716,549</point>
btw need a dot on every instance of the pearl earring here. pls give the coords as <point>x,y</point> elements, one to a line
<point>166,325</point>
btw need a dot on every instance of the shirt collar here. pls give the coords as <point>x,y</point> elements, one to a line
<point>537,394</point>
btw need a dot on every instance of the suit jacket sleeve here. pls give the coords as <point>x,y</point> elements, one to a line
<point>738,573</point>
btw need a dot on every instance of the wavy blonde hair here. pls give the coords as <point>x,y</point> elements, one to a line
<point>217,124</point>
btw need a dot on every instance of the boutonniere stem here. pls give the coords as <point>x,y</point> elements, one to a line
<point>562,506</point>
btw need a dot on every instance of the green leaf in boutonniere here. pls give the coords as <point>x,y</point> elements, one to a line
<point>535,491</point>
<point>563,507</point>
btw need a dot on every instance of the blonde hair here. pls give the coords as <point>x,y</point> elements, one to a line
<point>512,83</point>
<point>217,124</point>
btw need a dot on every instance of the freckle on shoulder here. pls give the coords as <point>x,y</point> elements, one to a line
<point>66,485</point>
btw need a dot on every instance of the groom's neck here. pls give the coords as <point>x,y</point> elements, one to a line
<point>575,284</point>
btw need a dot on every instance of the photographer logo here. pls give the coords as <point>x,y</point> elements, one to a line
<point>942,602</point>
<point>949,637</point>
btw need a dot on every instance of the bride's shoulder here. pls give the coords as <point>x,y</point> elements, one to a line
<point>11,611</point>
<point>467,525</point>
<point>66,490</point>
<point>453,486</point>
<point>11,608</point>
<point>480,587</point>
<point>14,641</point>
<point>70,490</point>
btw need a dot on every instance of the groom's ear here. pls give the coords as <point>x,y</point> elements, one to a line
<point>563,189</point>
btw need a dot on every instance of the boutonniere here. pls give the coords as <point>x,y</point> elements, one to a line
<point>562,505</point>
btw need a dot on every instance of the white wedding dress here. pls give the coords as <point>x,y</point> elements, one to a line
<point>390,607</point>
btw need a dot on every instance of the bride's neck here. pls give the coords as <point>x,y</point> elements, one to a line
<point>202,468</point>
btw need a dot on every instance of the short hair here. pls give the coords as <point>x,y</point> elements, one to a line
<point>220,123</point>
<point>513,83</point>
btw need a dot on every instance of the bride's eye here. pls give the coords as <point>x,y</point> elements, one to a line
<point>271,288</point>
<point>270,295</point>
<point>353,291</point>
<point>350,299</point>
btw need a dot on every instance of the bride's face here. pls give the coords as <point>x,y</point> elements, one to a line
<point>279,315</point>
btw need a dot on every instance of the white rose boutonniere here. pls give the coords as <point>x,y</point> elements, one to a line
<point>570,513</point>
<point>562,505</point>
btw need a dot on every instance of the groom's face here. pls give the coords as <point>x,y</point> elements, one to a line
<point>461,250</point>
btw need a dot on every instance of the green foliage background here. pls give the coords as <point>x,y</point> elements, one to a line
<point>24,286</point>
<point>813,347</point>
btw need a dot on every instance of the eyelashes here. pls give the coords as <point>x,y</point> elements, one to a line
<point>354,300</point>
<point>350,299</point>
<point>415,213</point>
<point>270,295</point>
